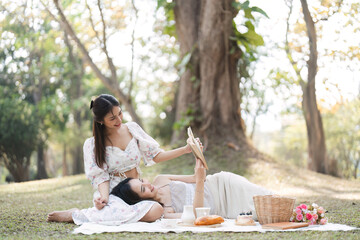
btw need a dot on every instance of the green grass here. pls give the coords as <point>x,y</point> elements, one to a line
<point>24,206</point>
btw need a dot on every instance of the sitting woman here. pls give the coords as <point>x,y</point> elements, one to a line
<point>226,194</point>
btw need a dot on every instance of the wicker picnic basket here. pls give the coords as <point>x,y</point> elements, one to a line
<point>273,208</point>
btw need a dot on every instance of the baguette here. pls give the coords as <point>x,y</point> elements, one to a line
<point>209,220</point>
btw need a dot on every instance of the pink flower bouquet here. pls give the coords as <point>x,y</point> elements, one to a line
<point>313,214</point>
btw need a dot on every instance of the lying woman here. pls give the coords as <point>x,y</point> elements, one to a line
<point>227,194</point>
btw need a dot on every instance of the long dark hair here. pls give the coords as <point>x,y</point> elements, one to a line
<point>101,106</point>
<point>124,191</point>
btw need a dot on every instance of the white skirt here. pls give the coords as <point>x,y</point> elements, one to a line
<point>233,194</point>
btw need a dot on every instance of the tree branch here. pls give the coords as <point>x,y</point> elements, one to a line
<point>92,22</point>
<point>338,5</point>
<point>67,27</point>
<point>287,46</point>
<point>312,42</point>
<point>110,83</point>
<point>132,50</point>
<point>104,47</point>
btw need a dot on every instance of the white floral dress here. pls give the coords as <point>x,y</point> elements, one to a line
<point>118,161</point>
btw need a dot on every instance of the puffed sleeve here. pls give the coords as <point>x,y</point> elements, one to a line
<point>95,174</point>
<point>148,147</point>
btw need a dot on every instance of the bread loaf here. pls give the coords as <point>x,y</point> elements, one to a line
<point>209,220</point>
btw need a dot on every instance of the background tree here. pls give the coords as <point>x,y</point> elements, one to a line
<point>38,70</point>
<point>343,136</point>
<point>18,130</point>
<point>75,76</point>
<point>317,159</point>
<point>97,31</point>
<point>211,48</point>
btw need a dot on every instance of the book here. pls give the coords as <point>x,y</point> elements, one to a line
<point>284,225</point>
<point>195,147</point>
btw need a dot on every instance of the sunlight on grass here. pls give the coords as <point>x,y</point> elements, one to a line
<point>286,180</point>
<point>41,185</point>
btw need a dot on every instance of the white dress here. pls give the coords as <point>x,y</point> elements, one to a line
<point>116,212</point>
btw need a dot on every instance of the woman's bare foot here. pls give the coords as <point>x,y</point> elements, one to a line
<point>61,216</point>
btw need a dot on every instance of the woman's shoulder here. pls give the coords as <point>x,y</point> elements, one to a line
<point>161,179</point>
<point>89,142</point>
<point>133,128</point>
<point>132,125</point>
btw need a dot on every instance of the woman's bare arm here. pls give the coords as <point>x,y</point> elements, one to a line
<point>165,156</point>
<point>171,154</point>
<point>155,212</point>
<point>103,189</point>
<point>200,175</point>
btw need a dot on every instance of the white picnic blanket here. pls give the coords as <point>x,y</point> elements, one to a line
<point>227,226</point>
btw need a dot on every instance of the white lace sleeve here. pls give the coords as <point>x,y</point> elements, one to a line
<point>148,147</point>
<point>92,171</point>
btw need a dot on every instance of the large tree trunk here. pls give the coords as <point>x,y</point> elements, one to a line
<point>78,162</point>
<point>76,93</point>
<point>19,168</point>
<point>210,86</point>
<point>65,171</point>
<point>316,140</point>
<point>78,150</point>
<point>356,167</point>
<point>37,96</point>
<point>41,167</point>
<point>187,28</point>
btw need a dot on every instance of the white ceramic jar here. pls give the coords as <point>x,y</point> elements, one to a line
<point>188,216</point>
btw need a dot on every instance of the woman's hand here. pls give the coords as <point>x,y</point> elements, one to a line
<point>100,202</point>
<point>200,171</point>
<point>188,148</point>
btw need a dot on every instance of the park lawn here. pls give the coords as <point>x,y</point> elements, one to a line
<point>24,206</point>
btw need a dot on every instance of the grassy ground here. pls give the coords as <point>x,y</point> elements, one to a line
<point>24,206</point>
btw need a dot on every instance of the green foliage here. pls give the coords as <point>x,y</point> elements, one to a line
<point>19,129</point>
<point>168,27</point>
<point>40,80</point>
<point>184,64</point>
<point>254,101</point>
<point>186,119</point>
<point>245,6</point>
<point>18,124</point>
<point>161,125</point>
<point>253,93</point>
<point>249,39</point>
<point>342,131</point>
<point>287,145</point>
<point>291,144</point>
<point>35,64</point>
